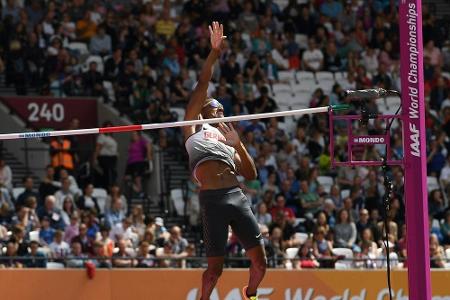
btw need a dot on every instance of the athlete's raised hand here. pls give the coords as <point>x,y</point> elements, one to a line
<point>217,37</point>
<point>231,136</point>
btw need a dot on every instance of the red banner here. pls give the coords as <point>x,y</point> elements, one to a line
<point>53,113</point>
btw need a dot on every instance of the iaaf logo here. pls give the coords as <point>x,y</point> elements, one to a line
<point>369,140</point>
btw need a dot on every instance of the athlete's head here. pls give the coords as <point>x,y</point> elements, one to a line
<point>212,109</point>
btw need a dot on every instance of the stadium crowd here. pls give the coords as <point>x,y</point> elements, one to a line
<point>142,57</point>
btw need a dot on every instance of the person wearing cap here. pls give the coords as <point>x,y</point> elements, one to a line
<point>216,157</point>
<point>35,258</point>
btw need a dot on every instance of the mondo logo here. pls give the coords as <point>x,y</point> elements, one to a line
<point>369,140</point>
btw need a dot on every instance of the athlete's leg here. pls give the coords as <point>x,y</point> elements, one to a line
<point>211,275</point>
<point>258,266</point>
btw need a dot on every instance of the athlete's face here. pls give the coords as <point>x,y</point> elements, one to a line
<point>213,109</point>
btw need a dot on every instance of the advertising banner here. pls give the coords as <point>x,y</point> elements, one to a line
<point>186,285</point>
<point>53,113</point>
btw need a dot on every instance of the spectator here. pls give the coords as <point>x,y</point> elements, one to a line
<point>106,157</point>
<point>64,193</point>
<point>312,57</point>
<point>322,248</point>
<point>125,231</point>
<point>9,258</point>
<point>35,259</point>
<point>115,215</point>
<point>26,218</point>
<point>72,229</point>
<point>93,81</point>
<point>115,192</point>
<point>310,202</point>
<point>100,260</point>
<point>68,210</point>
<point>46,233</point>
<point>28,183</point>
<point>5,175</point>
<point>88,201</point>
<point>49,185</point>
<point>76,259</point>
<point>108,244</point>
<point>61,153</point>
<point>83,239</point>
<point>262,215</point>
<point>345,230</point>
<point>280,207</point>
<point>123,258</point>
<point>86,28</point>
<point>100,43</point>
<point>59,249</point>
<point>52,213</point>
<point>140,156</point>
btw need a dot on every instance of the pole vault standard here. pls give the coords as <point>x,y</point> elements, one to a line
<point>413,111</point>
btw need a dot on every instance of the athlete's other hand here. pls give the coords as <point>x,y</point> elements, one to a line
<point>217,37</point>
<point>231,136</point>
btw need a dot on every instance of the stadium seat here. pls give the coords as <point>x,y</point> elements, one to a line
<point>301,237</point>
<point>93,58</point>
<point>281,88</point>
<point>341,266</point>
<point>326,182</point>
<point>55,265</point>
<point>346,253</point>
<point>345,193</point>
<point>177,198</point>
<point>101,196</point>
<point>447,253</point>
<point>17,191</point>
<point>80,48</point>
<point>108,86</point>
<point>286,76</point>
<point>432,183</point>
<point>180,112</point>
<point>291,253</point>
<point>305,76</point>
<point>301,40</point>
<point>34,235</point>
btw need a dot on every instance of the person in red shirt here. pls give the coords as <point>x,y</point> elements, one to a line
<point>281,206</point>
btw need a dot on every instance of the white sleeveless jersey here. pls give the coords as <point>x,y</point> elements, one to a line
<point>207,144</point>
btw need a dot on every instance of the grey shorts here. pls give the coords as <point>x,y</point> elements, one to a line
<point>224,207</point>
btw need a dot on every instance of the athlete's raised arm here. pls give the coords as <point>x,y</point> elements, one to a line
<point>199,95</point>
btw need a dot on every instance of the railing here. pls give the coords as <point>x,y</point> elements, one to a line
<point>196,262</point>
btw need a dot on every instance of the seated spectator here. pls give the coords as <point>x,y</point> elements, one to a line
<point>116,214</point>
<point>46,233</point>
<point>6,204</point>
<point>368,241</point>
<point>83,239</point>
<point>48,185</point>
<point>100,260</point>
<point>281,207</point>
<point>321,221</point>
<point>321,246</point>
<point>26,218</point>
<point>9,258</point>
<point>35,259</point>
<point>28,184</point>
<point>310,202</point>
<point>72,229</point>
<point>85,27</point>
<point>63,193</point>
<point>445,229</point>
<point>125,231</point>
<point>138,219</point>
<point>18,237</point>
<point>59,249</point>
<point>88,201</point>
<point>275,247</point>
<point>107,242</point>
<point>262,215</point>
<point>3,234</point>
<point>178,244</point>
<point>437,254</point>
<point>344,230</point>
<point>381,258</point>
<point>307,260</point>
<point>288,230</point>
<point>51,213</point>
<point>68,210</point>
<point>100,43</point>
<point>76,258</point>
<point>5,175</point>
<point>312,57</point>
<point>144,258</point>
<point>115,192</point>
<point>436,204</point>
<point>93,81</point>
<point>123,258</point>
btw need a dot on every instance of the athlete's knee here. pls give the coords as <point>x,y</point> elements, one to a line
<point>260,265</point>
<point>213,272</point>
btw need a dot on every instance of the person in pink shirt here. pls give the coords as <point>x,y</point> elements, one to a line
<point>140,156</point>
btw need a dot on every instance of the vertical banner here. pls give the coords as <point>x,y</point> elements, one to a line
<point>413,107</point>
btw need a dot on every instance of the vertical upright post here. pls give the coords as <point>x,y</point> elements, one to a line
<point>413,110</point>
